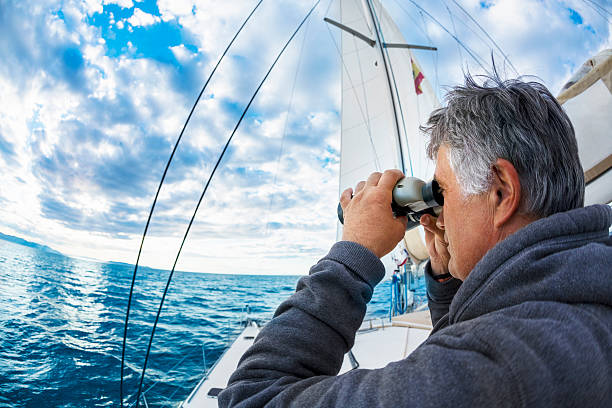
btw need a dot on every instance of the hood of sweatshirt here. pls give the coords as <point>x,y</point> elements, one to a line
<point>566,258</point>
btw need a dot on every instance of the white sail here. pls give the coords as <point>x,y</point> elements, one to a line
<point>415,103</point>
<point>371,99</point>
<point>369,138</point>
<point>385,98</point>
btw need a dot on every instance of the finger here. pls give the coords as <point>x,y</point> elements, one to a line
<point>429,235</point>
<point>429,224</point>
<point>390,178</point>
<point>360,186</point>
<point>435,246</point>
<point>373,179</point>
<point>425,219</point>
<point>431,244</point>
<point>399,228</point>
<point>345,197</point>
<point>404,220</point>
<point>441,241</point>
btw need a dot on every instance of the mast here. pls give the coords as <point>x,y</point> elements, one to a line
<point>377,29</point>
<point>380,116</point>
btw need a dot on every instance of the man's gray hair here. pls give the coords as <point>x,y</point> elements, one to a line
<point>517,121</point>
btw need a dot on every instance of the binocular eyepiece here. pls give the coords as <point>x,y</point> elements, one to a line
<point>412,197</point>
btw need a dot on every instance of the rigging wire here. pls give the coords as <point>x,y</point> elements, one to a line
<point>353,88</point>
<point>362,9</point>
<point>286,125</point>
<point>399,101</point>
<point>488,36</point>
<point>599,6</point>
<point>365,102</point>
<point>435,56</point>
<point>190,354</point>
<point>204,192</point>
<point>473,31</point>
<point>476,58</point>
<point>127,313</point>
<point>381,39</point>
<point>598,9</point>
<point>455,31</point>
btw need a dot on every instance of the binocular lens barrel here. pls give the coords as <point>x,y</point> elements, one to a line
<point>412,197</point>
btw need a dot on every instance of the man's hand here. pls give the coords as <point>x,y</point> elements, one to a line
<point>436,245</point>
<point>368,219</point>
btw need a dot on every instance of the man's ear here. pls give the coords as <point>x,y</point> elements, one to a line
<point>505,192</point>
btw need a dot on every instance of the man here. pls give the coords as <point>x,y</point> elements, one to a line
<point>519,281</point>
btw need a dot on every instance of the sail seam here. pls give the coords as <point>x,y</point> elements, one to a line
<point>380,42</point>
<point>352,87</point>
<point>365,101</point>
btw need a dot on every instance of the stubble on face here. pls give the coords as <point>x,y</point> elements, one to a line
<point>467,220</point>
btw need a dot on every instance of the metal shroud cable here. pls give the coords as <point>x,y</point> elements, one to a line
<point>127,313</point>
<point>204,192</point>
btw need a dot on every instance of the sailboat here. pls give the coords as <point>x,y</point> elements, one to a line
<point>386,96</point>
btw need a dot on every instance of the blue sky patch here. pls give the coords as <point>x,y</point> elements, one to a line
<point>6,148</point>
<point>235,108</point>
<point>56,210</point>
<point>575,16</point>
<point>148,6</point>
<point>153,41</point>
<point>73,59</point>
<point>71,67</point>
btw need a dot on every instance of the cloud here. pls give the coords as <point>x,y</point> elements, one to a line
<point>142,19</point>
<point>6,147</point>
<point>90,112</point>
<point>534,48</point>
<point>182,53</point>
<point>120,3</point>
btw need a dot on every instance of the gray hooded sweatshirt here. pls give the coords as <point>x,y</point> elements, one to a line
<point>530,327</point>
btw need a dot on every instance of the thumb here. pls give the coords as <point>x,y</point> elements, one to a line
<point>427,222</point>
<point>345,197</point>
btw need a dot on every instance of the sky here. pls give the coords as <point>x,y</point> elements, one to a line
<point>94,94</point>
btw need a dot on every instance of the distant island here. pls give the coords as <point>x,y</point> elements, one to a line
<point>21,241</point>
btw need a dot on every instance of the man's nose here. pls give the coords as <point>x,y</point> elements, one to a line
<point>440,221</point>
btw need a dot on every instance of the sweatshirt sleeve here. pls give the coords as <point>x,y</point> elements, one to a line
<point>295,359</point>
<point>439,294</point>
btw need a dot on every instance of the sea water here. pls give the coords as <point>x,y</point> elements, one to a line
<point>62,322</point>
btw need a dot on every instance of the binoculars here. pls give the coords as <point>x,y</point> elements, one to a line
<point>412,197</point>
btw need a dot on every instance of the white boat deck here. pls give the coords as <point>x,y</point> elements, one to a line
<point>220,373</point>
<point>377,343</point>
